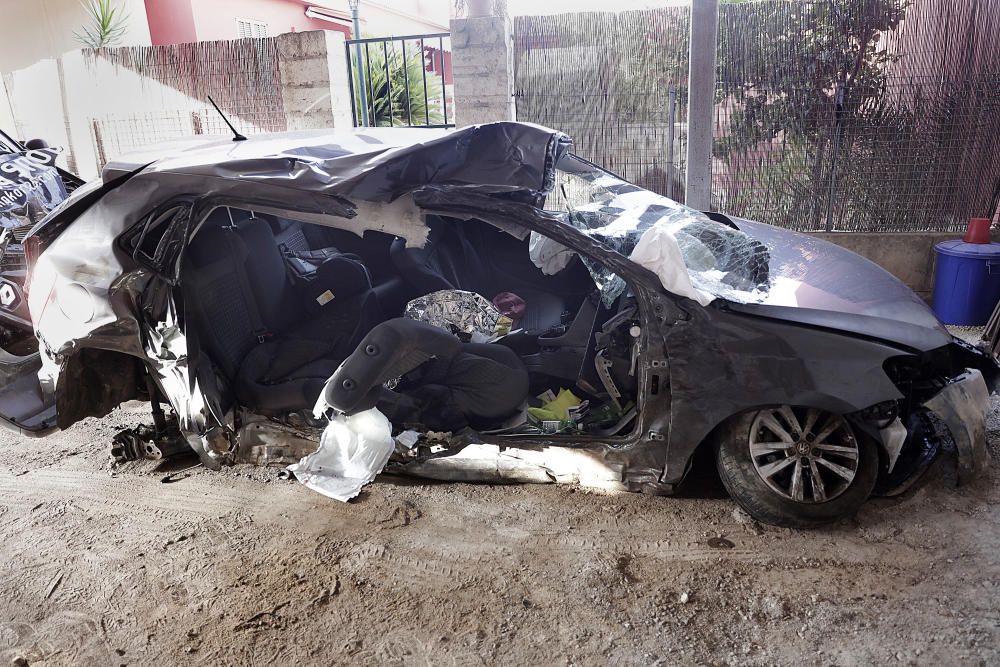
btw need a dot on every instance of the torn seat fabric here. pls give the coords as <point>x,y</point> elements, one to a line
<point>442,382</point>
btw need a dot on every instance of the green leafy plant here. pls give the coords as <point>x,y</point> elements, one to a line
<point>106,24</point>
<point>396,88</point>
<point>813,79</point>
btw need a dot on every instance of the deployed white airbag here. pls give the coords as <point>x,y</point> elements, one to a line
<point>352,451</point>
<point>658,251</point>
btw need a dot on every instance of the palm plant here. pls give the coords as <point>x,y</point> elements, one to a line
<point>396,87</point>
<point>106,24</point>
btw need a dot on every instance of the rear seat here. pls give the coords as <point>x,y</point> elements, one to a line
<point>373,249</point>
<point>251,322</point>
<point>476,257</point>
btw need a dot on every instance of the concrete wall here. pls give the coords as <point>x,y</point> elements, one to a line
<point>400,17</point>
<point>37,103</point>
<point>33,30</point>
<point>908,256</point>
<point>55,99</point>
<point>170,21</point>
<point>177,21</point>
<point>216,19</point>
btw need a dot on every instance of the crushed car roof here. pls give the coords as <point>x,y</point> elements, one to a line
<point>373,164</point>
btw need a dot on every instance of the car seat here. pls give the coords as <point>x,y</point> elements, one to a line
<point>372,249</point>
<point>251,320</point>
<point>442,382</point>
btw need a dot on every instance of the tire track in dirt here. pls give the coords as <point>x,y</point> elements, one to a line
<point>144,499</point>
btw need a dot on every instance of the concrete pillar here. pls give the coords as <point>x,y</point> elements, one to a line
<point>701,103</point>
<point>314,80</point>
<point>483,67</point>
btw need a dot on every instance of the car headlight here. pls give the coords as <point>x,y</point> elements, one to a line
<point>75,302</point>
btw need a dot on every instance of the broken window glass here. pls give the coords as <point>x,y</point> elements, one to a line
<point>157,242</point>
<point>654,231</point>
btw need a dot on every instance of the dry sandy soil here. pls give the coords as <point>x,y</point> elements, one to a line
<point>107,565</point>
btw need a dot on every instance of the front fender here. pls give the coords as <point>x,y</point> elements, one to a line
<point>724,363</point>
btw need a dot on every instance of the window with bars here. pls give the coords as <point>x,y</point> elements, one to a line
<point>249,28</point>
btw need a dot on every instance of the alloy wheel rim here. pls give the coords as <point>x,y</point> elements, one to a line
<point>805,455</point>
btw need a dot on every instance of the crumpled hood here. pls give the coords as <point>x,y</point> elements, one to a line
<point>814,281</point>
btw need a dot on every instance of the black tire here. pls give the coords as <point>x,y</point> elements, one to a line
<point>764,504</point>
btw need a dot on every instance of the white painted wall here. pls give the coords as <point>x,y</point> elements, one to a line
<point>403,17</point>
<point>6,111</point>
<point>33,30</point>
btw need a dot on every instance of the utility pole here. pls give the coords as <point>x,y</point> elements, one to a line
<point>701,103</point>
<point>358,62</point>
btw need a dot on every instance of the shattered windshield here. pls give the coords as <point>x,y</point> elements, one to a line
<point>693,255</point>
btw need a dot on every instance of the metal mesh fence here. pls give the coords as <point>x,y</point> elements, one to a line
<point>161,92</point>
<point>859,115</point>
<point>851,115</point>
<point>114,136</point>
<point>615,82</point>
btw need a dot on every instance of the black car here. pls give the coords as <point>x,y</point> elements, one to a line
<point>500,308</point>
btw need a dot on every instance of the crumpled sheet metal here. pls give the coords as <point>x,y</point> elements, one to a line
<point>460,312</point>
<point>372,164</point>
<point>199,420</point>
<point>962,405</point>
<point>352,451</point>
<point>312,173</point>
<point>82,293</point>
<point>693,255</point>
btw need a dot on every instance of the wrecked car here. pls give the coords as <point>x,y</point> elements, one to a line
<point>31,185</point>
<point>481,304</point>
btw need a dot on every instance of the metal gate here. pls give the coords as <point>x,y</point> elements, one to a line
<point>401,81</point>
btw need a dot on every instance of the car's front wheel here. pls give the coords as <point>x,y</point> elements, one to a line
<point>797,467</point>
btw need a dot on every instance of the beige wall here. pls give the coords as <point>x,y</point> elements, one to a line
<point>37,29</point>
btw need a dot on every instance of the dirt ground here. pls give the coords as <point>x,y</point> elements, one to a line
<point>107,565</point>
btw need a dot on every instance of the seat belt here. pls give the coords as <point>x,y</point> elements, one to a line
<point>238,250</point>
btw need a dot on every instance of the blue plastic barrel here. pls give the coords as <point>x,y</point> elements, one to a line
<point>966,282</point>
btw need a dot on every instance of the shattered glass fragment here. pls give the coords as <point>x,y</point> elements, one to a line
<point>693,255</point>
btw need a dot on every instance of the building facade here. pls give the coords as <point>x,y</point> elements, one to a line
<point>177,21</point>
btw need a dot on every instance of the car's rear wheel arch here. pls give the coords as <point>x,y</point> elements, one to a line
<point>93,381</point>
